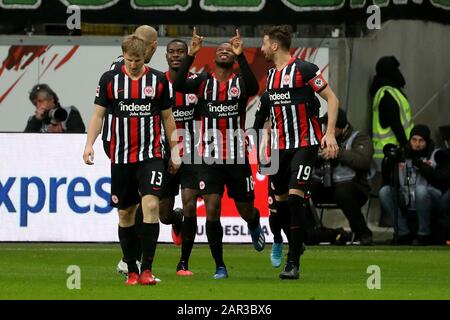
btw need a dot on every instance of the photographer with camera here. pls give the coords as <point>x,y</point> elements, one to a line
<point>343,180</point>
<point>50,116</point>
<point>410,191</point>
<point>439,177</point>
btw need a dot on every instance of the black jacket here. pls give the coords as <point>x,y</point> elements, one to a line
<point>438,177</point>
<point>73,124</point>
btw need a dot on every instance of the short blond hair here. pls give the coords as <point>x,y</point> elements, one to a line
<point>133,45</point>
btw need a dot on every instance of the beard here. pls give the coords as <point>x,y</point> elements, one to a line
<point>225,65</point>
<point>268,57</point>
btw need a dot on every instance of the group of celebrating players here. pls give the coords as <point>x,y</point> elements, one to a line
<point>166,130</point>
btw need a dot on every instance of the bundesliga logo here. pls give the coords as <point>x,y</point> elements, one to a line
<point>280,96</point>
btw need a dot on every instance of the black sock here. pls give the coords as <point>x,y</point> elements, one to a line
<point>254,222</point>
<point>138,220</point>
<point>214,232</point>
<point>138,248</point>
<point>177,221</point>
<point>176,218</point>
<point>275,227</point>
<point>285,217</point>
<point>188,232</point>
<point>149,238</point>
<point>128,243</point>
<point>298,227</point>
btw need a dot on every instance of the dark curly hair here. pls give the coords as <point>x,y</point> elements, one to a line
<point>281,33</point>
<point>42,87</point>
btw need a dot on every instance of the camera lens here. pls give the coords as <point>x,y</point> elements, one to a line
<point>57,115</point>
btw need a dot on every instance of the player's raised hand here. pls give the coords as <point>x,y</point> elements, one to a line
<point>196,43</point>
<point>236,43</point>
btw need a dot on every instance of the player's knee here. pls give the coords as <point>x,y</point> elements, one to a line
<point>150,209</point>
<point>282,197</point>
<point>190,208</point>
<point>126,217</point>
<point>247,211</point>
<point>212,207</point>
<point>296,192</point>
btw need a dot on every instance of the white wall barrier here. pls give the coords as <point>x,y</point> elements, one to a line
<point>47,193</point>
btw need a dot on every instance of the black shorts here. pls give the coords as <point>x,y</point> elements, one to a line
<point>295,170</point>
<point>237,178</point>
<point>131,181</point>
<point>186,177</point>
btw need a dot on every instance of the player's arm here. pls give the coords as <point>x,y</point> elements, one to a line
<point>172,137</point>
<point>250,82</point>
<point>315,80</point>
<point>261,125</point>
<point>94,129</point>
<point>182,83</point>
<point>329,140</point>
<point>262,111</point>
<point>101,104</point>
<point>170,127</point>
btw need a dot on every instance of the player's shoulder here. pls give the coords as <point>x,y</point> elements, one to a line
<point>157,72</point>
<point>303,64</point>
<point>109,74</point>
<point>271,70</point>
<point>160,76</point>
<point>117,63</point>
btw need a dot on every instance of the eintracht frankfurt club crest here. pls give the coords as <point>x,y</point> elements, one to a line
<point>149,92</point>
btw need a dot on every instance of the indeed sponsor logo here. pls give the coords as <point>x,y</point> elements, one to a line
<point>49,192</point>
<point>280,96</point>
<point>133,107</point>
<point>223,107</point>
<point>183,113</point>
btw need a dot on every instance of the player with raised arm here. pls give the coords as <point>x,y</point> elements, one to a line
<point>223,99</point>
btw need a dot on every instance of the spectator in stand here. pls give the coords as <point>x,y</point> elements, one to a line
<point>50,116</point>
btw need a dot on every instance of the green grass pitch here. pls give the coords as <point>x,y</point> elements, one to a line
<point>39,271</point>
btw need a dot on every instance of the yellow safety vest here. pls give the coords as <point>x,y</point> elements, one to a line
<point>382,136</point>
